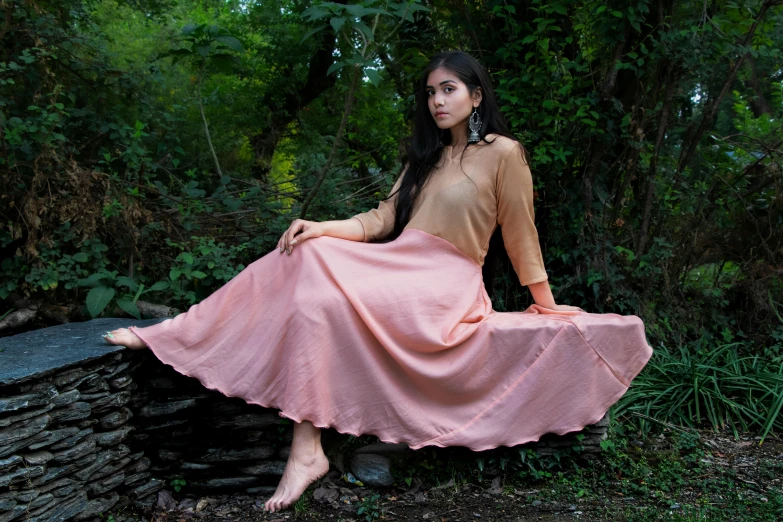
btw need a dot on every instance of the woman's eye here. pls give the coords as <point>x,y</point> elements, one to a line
<point>448,89</point>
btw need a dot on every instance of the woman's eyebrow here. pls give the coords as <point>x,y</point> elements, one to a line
<point>441,83</point>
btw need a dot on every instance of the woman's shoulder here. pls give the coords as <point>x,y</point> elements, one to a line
<point>506,150</point>
<point>500,144</point>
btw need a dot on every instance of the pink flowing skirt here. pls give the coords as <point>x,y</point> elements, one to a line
<point>399,340</point>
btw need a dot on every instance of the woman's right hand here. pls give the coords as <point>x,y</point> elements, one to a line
<point>308,229</point>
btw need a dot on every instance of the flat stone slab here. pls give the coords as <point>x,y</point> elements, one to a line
<point>373,470</point>
<point>34,354</point>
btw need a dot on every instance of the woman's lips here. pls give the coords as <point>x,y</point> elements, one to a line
<point>439,114</point>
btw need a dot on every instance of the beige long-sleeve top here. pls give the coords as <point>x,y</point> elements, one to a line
<point>463,204</point>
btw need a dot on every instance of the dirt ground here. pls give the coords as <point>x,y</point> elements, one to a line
<point>712,477</point>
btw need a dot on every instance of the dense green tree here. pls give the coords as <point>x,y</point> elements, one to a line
<point>654,129</point>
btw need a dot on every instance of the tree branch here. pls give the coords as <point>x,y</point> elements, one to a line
<point>357,74</point>
<point>204,120</point>
<point>711,109</point>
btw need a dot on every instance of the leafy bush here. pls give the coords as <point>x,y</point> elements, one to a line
<point>655,156</point>
<point>107,287</point>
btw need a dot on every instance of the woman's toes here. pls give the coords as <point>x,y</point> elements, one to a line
<point>125,337</point>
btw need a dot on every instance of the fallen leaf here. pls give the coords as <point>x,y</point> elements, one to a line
<point>325,494</point>
<point>166,501</point>
<point>416,485</point>
<point>495,488</point>
<point>449,484</point>
<point>202,503</point>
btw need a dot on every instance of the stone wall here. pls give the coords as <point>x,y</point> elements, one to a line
<point>219,443</point>
<point>211,441</point>
<point>85,425</point>
<point>64,426</point>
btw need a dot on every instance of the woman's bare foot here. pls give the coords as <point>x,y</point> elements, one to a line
<point>306,464</point>
<point>125,337</point>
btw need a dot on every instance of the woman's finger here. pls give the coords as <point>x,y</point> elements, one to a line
<point>284,239</point>
<point>296,226</point>
<point>281,242</point>
<point>306,234</point>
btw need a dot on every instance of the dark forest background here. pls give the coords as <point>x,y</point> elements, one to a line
<point>150,150</point>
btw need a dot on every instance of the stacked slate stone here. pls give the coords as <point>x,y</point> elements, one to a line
<point>85,426</point>
<point>212,442</point>
<point>587,442</point>
<point>372,464</point>
<point>63,433</point>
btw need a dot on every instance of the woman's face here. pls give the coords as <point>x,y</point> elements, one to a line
<point>449,99</point>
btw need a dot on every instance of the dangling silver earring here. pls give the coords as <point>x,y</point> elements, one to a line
<point>440,139</point>
<point>475,126</point>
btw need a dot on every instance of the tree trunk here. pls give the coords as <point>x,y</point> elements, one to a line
<point>650,188</point>
<point>598,146</point>
<point>206,125</point>
<point>265,142</point>
<point>759,105</point>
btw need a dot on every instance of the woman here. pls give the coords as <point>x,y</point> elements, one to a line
<point>398,339</point>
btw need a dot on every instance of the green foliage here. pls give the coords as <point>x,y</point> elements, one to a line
<point>303,503</point>
<point>529,464</point>
<point>154,151</point>
<point>702,383</point>
<point>655,475</point>
<point>207,45</point>
<point>369,507</point>
<point>352,21</point>
<point>202,263</point>
<point>538,466</point>
<point>591,139</point>
<point>107,287</point>
<point>178,484</point>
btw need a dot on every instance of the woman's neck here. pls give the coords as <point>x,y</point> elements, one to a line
<point>459,137</point>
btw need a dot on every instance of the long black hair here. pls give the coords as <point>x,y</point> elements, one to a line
<point>426,145</point>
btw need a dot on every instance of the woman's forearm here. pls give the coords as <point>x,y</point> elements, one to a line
<point>542,294</point>
<point>350,229</point>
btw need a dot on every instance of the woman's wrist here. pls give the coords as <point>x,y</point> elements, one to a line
<point>351,229</point>
<point>542,294</point>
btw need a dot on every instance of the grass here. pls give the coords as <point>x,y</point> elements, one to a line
<point>668,475</point>
<point>699,384</point>
<point>677,483</point>
<point>303,504</point>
